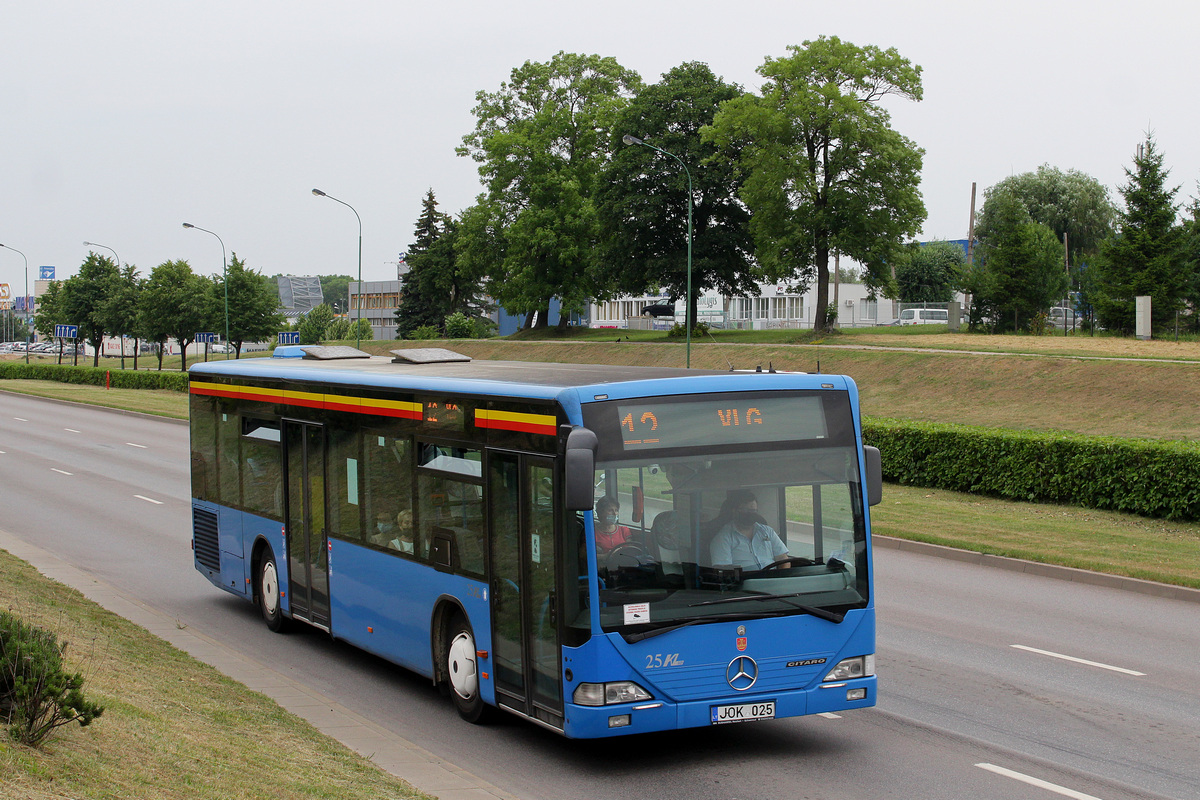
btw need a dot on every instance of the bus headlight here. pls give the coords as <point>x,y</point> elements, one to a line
<point>857,667</point>
<point>600,694</point>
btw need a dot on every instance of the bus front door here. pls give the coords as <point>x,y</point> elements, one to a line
<point>307,543</point>
<point>525,638</point>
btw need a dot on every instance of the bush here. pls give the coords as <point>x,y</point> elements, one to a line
<point>95,376</point>
<point>679,330</point>
<point>1153,479</point>
<point>459,326</point>
<point>425,332</point>
<point>37,695</point>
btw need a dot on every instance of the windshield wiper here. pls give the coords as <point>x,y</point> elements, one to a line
<point>816,612</point>
<point>638,636</point>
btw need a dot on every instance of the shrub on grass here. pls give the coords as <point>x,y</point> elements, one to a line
<point>95,376</point>
<point>1153,479</point>
<point>37,694</point>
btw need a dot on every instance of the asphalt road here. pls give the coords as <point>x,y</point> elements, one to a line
<point>993,684</point>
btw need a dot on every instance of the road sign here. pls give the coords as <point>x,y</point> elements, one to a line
<point>66,331</point>
<point>289,337</point>
<point>45,273</point>
<point>207,338</point>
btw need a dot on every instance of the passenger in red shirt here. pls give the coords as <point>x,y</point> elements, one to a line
<point>609,534</point>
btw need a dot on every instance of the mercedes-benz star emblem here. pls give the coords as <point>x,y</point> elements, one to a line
<point>742,673</point>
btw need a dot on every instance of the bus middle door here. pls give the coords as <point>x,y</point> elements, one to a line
<point>307,543</point>
<point>525,642</point>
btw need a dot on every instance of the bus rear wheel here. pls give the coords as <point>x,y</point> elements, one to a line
<point>462,671</point>
<point>269,596</point>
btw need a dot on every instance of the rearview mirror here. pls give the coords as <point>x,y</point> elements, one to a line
<point>874,476</point>
<point>580,466</point>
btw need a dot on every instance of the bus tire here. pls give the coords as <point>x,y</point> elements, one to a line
<point>269,596</point>
<point>462,671</point>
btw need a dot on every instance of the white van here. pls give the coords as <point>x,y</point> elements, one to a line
<point>924,316</point>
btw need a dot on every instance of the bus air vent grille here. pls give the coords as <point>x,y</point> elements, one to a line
<point>205,539</point>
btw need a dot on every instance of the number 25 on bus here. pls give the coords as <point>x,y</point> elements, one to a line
<point>600,550</point>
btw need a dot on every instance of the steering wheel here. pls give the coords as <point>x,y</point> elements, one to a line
<point>623,555</point>
<point>791,561</point>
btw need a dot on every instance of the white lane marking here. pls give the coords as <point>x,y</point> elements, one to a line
<point>20,419</point>
<point>1079,660</point>
<point>72,430</point>
<point>829,715</point>
<point>139,446</point>
<point>61,471</point>
<point>149,499</point>
<point>1038,782</point>
<point>1,452</point>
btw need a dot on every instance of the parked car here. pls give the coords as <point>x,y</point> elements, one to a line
<point>1065,317</point>
<point>924,316</point>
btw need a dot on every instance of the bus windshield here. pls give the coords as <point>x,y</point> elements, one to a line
<point>689,537</point>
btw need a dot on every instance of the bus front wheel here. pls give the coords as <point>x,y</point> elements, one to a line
<point>269,596</point>
<point>462,669</point>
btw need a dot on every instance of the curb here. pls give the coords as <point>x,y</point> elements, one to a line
<point>392,753</point>
<point>1152,588</point>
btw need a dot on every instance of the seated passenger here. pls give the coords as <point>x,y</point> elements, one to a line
<point>745,540</point>
<point>403,540</point>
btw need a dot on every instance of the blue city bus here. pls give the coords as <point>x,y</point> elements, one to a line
<point>443,514</point>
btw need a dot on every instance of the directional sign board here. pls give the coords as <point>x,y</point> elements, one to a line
<point>66,331</point>
<point>207,338</point>
<point>289,337</point>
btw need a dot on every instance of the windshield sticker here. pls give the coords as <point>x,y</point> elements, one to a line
<point>637,613</point>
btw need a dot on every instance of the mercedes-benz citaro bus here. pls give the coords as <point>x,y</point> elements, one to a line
<point>442,513</point>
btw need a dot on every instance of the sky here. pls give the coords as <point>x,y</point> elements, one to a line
<point>120,121</point>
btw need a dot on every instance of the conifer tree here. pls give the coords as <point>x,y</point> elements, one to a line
<point>1145,256</point>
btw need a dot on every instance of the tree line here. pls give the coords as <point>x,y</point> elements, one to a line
<point>775,184</point>
<point>778,183</point>
<point>1050,237</point>
<point>173,302</point>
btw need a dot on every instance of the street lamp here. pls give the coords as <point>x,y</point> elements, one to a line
<point>15,250</point>
<point>118,258</point>
<point>225,280</point>
<point>357,326</point>
<point>687,307</point>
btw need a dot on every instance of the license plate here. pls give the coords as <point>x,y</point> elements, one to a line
<point>743,712</point>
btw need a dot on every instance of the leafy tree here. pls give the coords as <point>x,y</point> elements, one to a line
<point>176,304</point>
<point>315,323</point>
<point>1146,255</point>
<point>253,305</point>
<point>642,198</point>
<point>1071,203</point>
<point>929,274</point>
<point>1023,264</point>
<point>86,300</point>
<point>121,309</point>
<point>541,141</point>
<point>1191,250</point>
<point>824,170</point>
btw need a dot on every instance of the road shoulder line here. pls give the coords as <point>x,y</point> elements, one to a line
<point>1153,588</point>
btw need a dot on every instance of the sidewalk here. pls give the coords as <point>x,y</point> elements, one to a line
<point>390,752</point>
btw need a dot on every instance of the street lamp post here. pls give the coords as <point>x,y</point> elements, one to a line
<point>687,307</point>
<point>118,258</point>
<point>15,250</point>
<point>358,317</point>
<point>225,280</point>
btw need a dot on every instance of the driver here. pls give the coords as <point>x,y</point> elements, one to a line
<point>609,535</point>
<point>745,540</point>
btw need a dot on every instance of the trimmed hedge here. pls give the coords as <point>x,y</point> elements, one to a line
<point>95,376</point>
<point>1151,478</point>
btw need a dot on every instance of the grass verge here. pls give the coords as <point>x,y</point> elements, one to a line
<point>1099,541</point>
<point>172,727</point>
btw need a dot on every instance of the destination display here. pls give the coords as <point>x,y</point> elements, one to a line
<point>654,426</point>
